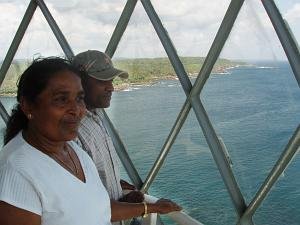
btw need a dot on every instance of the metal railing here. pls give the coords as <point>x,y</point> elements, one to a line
<point>179,217</point>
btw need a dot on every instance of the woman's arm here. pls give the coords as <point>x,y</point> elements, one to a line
<point>11,215</point>
<point>124,210</point>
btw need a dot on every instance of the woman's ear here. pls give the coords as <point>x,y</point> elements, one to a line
<point>26,108</point>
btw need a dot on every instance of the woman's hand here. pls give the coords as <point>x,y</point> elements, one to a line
<point>164,206</point>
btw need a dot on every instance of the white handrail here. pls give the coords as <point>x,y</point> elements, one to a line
<point>179,217</point>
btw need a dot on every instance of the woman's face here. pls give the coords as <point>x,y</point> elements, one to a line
<point>58,109</point>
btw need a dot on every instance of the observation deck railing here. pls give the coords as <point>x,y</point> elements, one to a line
<point>180,217</point>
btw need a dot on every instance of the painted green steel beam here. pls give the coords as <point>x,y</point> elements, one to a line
<point>167,146</point>
<point>122,153</point>
<point>120,27</point>
<point>210,134</point>
<point>281,164</point>
<point>201,115</point>
<point>17,39</point>
<point>285,36</point>
<point>185,82</point>
<point>168,46</point>
<point>110,50</point>
<point>291,49</point>
<point>55,29</point>
<point>13,49</point>
<point>208,130</point>
<point>217,46</point>
<point>3,113</point>
<point>219,157</point>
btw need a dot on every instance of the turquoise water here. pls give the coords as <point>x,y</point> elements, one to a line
<point>255,110</point>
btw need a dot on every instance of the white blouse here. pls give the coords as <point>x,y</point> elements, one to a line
<point>33,181</point>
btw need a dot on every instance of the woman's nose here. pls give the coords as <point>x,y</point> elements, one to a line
<point>77,108</point>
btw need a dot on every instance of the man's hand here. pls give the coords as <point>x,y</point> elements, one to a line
<point>133,197</point>
<point>126,186</point>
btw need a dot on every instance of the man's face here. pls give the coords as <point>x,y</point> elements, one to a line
<point>98,93</point>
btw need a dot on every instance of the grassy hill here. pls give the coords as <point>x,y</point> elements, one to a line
<point>141,71</point>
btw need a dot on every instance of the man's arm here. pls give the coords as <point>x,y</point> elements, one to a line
<point>134,195</point>
<point>126,186</point>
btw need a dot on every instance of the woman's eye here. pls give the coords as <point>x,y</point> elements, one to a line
<point>61,99</point>
<point>80,98</point>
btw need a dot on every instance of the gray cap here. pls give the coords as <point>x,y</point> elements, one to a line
<point>98,65</point>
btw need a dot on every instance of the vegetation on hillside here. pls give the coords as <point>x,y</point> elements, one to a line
<point>147,70</point>
<point>141,71</point>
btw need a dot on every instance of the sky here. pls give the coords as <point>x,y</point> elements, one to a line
<point>191,25</point>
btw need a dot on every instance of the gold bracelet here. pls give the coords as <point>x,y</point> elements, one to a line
<point>145,210</point>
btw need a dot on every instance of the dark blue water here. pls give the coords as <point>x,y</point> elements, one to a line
<point>255,110</point>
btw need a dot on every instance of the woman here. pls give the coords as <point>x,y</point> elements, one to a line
<point>46,179</point>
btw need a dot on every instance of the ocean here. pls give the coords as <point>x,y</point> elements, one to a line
<point>254,109</point>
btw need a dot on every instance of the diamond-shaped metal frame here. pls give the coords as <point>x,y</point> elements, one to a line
<point>217,147</point>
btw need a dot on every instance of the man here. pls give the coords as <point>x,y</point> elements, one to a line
<point>97,82</point>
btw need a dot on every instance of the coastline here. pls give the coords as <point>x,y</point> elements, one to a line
<point>223,70</point>
<point>123,85</point>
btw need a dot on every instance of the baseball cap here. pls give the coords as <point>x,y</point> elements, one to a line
<point>98,65</point>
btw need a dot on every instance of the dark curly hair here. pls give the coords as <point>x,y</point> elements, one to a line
<point>31,83</point>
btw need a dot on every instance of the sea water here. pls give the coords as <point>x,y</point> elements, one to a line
<point>253,109</point>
